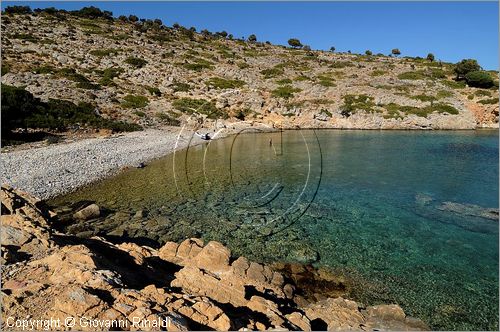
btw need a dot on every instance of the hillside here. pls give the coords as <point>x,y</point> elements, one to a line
<point>151,75</point>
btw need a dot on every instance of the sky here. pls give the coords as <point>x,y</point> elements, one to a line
<point>450,30</point>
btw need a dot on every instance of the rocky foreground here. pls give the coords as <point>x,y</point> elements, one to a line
<point>92,284</point>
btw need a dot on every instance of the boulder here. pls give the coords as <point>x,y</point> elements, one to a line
<point>89,212</point>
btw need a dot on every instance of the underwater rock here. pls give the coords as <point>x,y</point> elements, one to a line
<point>88,212</point>
<point>470,210</point>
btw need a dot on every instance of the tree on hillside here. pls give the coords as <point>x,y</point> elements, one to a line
<point>368,52</point>
<point>430,57</point>
<point>332,49</point>
<point>294,42</point>
<point>17,10</point>
<point>306,48</point>
<point>252,38</point>
<point>122,18</point>
<point>158,22</point>
<point>466,66</point>
<point>230,36</point>
<point>222,34</point>
<point>479,79</point>
<point>396,51</point>
<point>133,18</point>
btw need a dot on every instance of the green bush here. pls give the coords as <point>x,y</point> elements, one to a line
<point>353,103</point>
<point>285,91</point>
<point>20,109</point>
<point>482,93</point>
<point>167,119</point>
<point>222,83</point>
<point>466,66</point>
<point>284,81</point>
<point>430,57</point>
<point>326,81</point>
<point>24,36</point>
<point>395,110</point>
<point>412,75</point>
<point>134,101</point>
<point>294,42</point>
<point>489,101</point>
<point>444,94</point>
<point>136,62</point>
<point>199,65</point>
<point>108,75</point>
<point>479,79</point>
<point>5,68</point>
<point>424,98</point>
<point>88,86</point>
<point>190,106</point>
<point>45,69</point>
<point>22,10</point>
<point>454,84</point>
<point>272,72</point>
<point>180,87</point>
<point>378,72</point>
<point>154,91</point>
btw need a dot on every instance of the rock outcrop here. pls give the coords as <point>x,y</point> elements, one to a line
<point>99,285</point>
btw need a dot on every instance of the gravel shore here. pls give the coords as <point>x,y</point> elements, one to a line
<point>60,168</point>
<point>51,170</point>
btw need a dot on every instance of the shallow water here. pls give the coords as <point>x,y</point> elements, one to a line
<point>368,204</point>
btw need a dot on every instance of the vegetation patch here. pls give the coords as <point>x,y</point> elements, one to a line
<point>284,81</point>
<point>453,84</point>
<point>180,87</point>
<point>108,75</point>
<point>134,101</point>
<point>285,91</point>
<point>24,36</point>
<point>353,103</point>
<point>20,109</point>
<point>395,110</point>
<point>326,81</point>
<point>272,72</point>
<point>489,101</point>
<point>168,119</point>
<point>199,64</point>
<point>378,72</point>
<point>202,106</point>
<point>136,62</point>
<point>222,83</point>
<point>154,91</point>
<point>444,94</point>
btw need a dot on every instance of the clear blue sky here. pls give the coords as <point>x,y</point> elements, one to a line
<point>450,30</point>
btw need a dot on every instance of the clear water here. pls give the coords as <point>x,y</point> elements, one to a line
<point>368,204</point>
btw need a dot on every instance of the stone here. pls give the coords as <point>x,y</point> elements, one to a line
<point>214,257</point>
<point>89,212</point>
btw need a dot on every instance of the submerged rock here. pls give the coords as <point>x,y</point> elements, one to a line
<point>88,212</point>
<point>470,210</point>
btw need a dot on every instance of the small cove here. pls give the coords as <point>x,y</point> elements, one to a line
<point>411,212</point>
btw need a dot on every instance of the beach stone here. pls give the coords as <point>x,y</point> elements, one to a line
<point>88,212</point>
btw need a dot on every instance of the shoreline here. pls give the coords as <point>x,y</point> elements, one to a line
<point>56,169</point>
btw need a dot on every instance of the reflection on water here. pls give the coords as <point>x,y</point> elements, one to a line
<point>412,212</point>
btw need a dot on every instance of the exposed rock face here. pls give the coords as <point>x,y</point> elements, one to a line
<point>320,79</point>
<point>186,286</point>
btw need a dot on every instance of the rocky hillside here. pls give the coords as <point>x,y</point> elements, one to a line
<point>145,73</point>
<point>89,284</point>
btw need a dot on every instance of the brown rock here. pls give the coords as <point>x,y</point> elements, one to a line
<point>214,257</point>
<point>88,212</point>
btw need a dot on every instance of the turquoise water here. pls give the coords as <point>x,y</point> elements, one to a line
<point>410,215</point>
